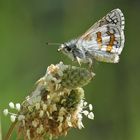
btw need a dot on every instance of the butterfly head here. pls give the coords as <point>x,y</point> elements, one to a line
<point>68,49</point>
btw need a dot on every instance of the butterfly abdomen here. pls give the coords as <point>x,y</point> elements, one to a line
<point>105,57</point>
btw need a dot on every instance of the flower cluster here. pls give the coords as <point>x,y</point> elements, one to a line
<point>15,107</point>
<point>56,105</point>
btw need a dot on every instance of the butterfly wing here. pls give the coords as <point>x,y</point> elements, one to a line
<point>105,39</point>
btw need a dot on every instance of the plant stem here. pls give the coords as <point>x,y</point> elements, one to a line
<point>0,130</point>
<point>9,133</point>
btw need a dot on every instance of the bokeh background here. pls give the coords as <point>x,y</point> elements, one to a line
<point>26,25</point>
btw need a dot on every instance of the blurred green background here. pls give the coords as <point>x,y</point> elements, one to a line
<point>26,25</point>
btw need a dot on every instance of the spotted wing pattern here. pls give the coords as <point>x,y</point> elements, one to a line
<point>105,39</point>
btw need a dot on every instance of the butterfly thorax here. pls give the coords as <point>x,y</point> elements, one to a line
<point>71,50</point>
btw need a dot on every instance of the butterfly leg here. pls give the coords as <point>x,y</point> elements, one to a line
<point>78,60</point>
<point>90,64</point>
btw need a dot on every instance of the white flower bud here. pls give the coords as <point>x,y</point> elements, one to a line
<point>90,107</point>
<point>80,124</point>
<point>18,106</point>
<point>91,115</point>
<point>69,123</point>
<point>5,112</point>
<point>11,105</point>
<point>85,103</point>
<point>21,117</point>
<point>85,112</point>
<point>12,118</point>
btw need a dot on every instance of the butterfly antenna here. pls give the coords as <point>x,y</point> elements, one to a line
<point>48,43</point>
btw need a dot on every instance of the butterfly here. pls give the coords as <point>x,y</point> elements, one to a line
<point>104,41</point>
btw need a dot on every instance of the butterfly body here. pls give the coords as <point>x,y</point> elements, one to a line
<point>103,42</point>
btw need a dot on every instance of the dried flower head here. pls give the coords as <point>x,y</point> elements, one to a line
<point>56,105</point>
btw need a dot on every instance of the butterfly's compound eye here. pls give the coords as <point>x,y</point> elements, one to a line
<point>68,48</point>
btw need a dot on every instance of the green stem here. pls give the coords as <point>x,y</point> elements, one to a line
<point>0,130</point>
